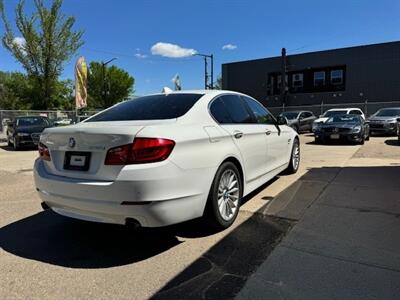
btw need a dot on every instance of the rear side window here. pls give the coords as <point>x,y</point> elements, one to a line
<point>237,109</point>
<point>219,112</point>
<point>155,107</point>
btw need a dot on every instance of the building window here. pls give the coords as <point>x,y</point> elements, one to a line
<point>297,80</point>
<point>319,78</point>
<point>337,77</point>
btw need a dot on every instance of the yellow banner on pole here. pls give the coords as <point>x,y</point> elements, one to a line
<point>81,83</point>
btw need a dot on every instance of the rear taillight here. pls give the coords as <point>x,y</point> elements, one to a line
<point>142,150</point>
<point>44,152</point>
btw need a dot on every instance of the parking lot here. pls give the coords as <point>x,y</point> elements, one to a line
<point>334,225</point>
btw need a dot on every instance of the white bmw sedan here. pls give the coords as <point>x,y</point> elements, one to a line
<point>164,159</point>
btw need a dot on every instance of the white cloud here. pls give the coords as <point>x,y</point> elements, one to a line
<point>229,47</point>
<point>171,50</point>
<point>19,41</point>
<point>141,56</point>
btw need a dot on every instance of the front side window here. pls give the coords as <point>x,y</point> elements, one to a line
<point>337,77</point>
<point>319,78</point>
<point>155,107</point>
<point>297,80</point>
<point>262,115</point>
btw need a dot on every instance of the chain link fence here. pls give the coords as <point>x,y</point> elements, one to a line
<point>369,108</point>
<point>53,115</point>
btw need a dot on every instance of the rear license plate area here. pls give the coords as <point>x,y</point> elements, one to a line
<point>77,161</point>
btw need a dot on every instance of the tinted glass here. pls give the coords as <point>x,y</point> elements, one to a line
<point>219,112</point>
<point>307,114</point>
<point>290,115</point>
<point>260,112</point>
<point>355,112</point>
<point>32,121</point>
<point>389,112</point>
<point>156,107</point>
<point>344,119</point>
<point>333,113</point>
<point>237,109</point>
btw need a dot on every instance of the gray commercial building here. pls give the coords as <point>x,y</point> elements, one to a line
<point>348,75</point>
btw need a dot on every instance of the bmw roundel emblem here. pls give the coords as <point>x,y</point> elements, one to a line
<point>71,142</point>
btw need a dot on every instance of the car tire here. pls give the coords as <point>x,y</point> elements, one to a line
<point>9,144</point>
<point>367,137</point>
<point>319,141</point>
<point>362,142</point>
<point>225,197</point>
<point>294,162</point>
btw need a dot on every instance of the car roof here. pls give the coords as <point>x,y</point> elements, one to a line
<point>344,109</point>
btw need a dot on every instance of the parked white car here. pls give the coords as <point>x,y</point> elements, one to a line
<point>164,159</point>
<point>336,111</point>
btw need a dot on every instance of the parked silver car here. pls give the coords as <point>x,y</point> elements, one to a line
<point>384,121</point>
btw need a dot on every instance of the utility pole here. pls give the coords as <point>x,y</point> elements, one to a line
<point>206,77</point>
<point>104,92</point>
<point>283,76</point>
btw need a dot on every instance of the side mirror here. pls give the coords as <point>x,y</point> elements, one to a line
<point>282,120</point>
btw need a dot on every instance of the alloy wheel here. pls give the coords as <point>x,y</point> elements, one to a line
<point>228,195</point>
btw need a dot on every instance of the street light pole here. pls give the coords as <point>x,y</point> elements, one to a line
<point>104,64</point>
<point>211,57</point>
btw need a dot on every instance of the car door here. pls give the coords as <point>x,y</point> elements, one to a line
<point>277,138</point>
<point>308,119</point>
<point>233,116</point>
<point>303,122</point>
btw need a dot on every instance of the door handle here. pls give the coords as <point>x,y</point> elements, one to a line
<point>268,132</point>
<point>238,134</point>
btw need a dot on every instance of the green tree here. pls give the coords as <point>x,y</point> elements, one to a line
<point>108,85</point>
<point>45,42</point>
<point>15,91</point>
<point>218,83</point>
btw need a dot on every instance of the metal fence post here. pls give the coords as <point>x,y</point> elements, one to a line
<point>322,107</point>
<point>366,107</point>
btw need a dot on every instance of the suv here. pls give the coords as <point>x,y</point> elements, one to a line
<point>335,111</point>
<point>25,131</point>
<point>385,120</point>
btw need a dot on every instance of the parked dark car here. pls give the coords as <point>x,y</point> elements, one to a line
<point>351,128</point>
<point>301,121</point>
<point>384,121</point>
<point>25,131</point>
<point>398,129</point>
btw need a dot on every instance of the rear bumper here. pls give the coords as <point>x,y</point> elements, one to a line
<point>172,196</point>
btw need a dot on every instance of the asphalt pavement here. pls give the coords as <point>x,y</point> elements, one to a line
<point>311,234</point>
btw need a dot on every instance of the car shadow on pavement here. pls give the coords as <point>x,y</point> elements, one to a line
<point>393,142</point>
<point>10,148</point>
<point>58,240</point>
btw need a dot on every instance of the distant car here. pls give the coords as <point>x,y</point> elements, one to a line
<point>25,131</point>
<point>62,122</point>
<point>352,128</point>
<point>336,111</point>
<point>384,121</point>
<point>164,159</point>
<point>301,121</point>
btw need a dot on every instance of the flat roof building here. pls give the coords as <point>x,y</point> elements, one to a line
<point>347,75</point>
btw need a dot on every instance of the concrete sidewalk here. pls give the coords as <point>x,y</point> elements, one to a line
<point>345,244</point>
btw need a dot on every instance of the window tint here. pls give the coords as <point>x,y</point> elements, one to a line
<point>260,112</point>
<point>237,109</point>
<point>307,114</point>
<point>32,121</point>
<point>319,78</point>
<point>219,112</point>
<point>355,112</point>
<point>156,107</point>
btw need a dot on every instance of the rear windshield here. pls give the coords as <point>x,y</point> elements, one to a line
<point>156,107</point>
<point>31,121</point>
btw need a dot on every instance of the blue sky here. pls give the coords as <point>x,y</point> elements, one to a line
<point>129,29</point>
